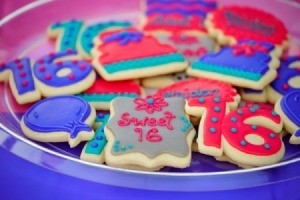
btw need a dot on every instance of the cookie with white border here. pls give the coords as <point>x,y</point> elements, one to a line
<point>129,54</point>
<point>59,119</point>
<point>287,80</point>
<point>151,133</point>
<point>231,24</point>
<point>249,64</point>
<point>289,108</point>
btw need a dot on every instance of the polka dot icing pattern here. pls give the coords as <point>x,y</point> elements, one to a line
<point>21,80</point>
<point>236,129</point>
<point>97,144</point>
<point>46,70</point>
<point>288,70</point>
<point>90,32</point>
<point>21,71</point>
<point>153,126</point>
<point>52,119</point>
<point>67,33</point>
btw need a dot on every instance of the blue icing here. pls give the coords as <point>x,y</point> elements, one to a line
<point>124,37</point>
<point>251,91</point>
<point>251,67</point>
<point>79,69</point>
<point>176,10</point>
<point>60,113</point>
<point>290,105</point>
<point>22,74</point>
<point>205,3</point>
<point>285,73</point>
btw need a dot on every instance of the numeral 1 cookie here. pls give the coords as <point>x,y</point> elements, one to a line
<point>93,151</point>
<point>289,108</point>
<point>233,23</point>
<point>150,133</point>
<point>129,54</point>
<point>249,64</point>
<point>59,119</point>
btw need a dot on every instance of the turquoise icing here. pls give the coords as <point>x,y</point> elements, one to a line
<point>105,97</point>
<point>97,144</point>
<point>143,63</point>
<point>92,31</point>
<point>226,71</point>
<point>70,33</point>
<point>187,123</point>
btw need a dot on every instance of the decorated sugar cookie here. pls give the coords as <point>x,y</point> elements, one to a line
<point>59,119</point>
<point>287,80</point>
<point>63,77</point>
<point>288,107</point>
<point>93,151</point>
<point>212,109</point>
<point>102,92</point>
<point>256,105</point>
<point>129,54</point>
<point>234,23</point>
<point>65,33</point>
<point>73,34</point>
<point>191,47</point>
<point>21,80</point>
<point>151,133</point>
<point>250,137</point>
<point>85,43</point>
<point>176,16</point>
<point>254,95</point>
<point>250,64</point>
<point>201,87</point>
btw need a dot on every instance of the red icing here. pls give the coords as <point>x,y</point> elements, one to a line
<point>249,104</point>
<point>250,23</point>
<point>17,60</point>
<point>187,87</point>
<point>165,121</point>
<point>285,86</point>
<point>180,6</point>
<point>101,86</point>
<point>149,46</point>
<point>59,63</point>
<point>42,68</point>
<point>178,39</point>
<point>48,76</point>
<point>248,49</point>
<point>41,60</point>
<point>152,135</point>
<point>242,129</point>
<point>71,76</point>
<point>24,83</point>
<point>150,104</point>
<point>22,74</point>
<point>82,67</point>
<point>20,66</point>
<point>165,22</point>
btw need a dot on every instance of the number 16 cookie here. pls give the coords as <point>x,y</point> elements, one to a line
<point>149,133</point>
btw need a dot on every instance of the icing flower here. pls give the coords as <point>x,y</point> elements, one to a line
<point>248,48</point>
<point>124,37</point>
<point>150,104</point>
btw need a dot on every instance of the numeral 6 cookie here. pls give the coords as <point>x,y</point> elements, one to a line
<point>149,133</point>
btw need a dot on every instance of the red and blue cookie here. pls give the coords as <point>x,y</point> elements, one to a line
<point>287,79</point>
<point>288,107</point>
<point>231,24</point>
<point>129,54</point>
<point>249,64</point>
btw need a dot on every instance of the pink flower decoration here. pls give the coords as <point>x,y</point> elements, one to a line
<point>150,104</point>
<point>248,48</point>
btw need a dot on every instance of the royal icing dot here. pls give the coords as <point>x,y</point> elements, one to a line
<point>217,109</point>
<point>233,130</point>
<point>266,133</point>
<point>201,100</point>
<point>240,112</point>
<point>233,119</point>
<point>212,130</point>
<point>214,119</point>
<point>243,142</point>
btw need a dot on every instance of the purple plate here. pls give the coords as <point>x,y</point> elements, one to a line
<point>28,165</point>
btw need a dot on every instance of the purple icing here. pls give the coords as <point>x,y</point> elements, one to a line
<point>205,3</point>
<point>46,71</point>
<point>251,91</point>
<point>290,105</point>
<point>124,37</point>
<point>176,10</point>
<point>60,113</point>
<point>22,75</point>
<point>280,84</point>
<point>257,63</point>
